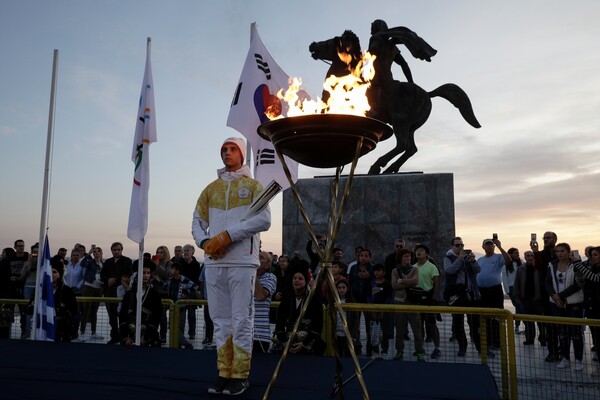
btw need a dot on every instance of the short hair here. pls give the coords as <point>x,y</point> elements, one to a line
<point>358,248</point>
<point>115,244</point>
<point>35,246</point>
<point>454,239</point>
<point>189,246</point>
<point>422,246</point>
<point>512,250</point>
<point>17,241</point>
<point>367,250</point>
<point>553,235</point>
<point>335,262</point>
<point>176,266</point>
<point>337,249</point>
<point>379,267</point>
<point>405,251</point>
<point>150,265</point>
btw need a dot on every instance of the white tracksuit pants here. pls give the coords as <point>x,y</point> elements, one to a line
<point>230,295</point>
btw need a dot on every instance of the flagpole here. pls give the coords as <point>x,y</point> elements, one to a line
<point>138,309</point>
<point>46,188</point>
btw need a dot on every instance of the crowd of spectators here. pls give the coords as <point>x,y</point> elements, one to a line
<point>551,280</point>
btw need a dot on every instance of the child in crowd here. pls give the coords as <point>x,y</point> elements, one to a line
<point>381,292</point>
<point>180,287</point>
<point>341,340</point>
<point>123,288</point>
<point>337,273</point>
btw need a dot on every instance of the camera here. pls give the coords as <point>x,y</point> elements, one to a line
<point>494,236</point>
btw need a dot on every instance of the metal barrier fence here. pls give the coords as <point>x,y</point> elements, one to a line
<point>520,370</point>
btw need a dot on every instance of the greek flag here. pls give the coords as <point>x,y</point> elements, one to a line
<point>46,315</point>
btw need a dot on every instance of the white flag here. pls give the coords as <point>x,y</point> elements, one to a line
<point>145,133</point>
<point>259,83</point>
<point>45,319</point>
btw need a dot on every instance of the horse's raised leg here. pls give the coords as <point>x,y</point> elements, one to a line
<point>386,158</point>
<point>411,150</point>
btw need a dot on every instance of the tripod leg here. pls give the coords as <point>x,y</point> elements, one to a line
<point>342,315</point>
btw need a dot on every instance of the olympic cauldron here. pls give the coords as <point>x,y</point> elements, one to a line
<point>325,141</point>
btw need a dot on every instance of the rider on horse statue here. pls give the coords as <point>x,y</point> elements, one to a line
<point>383,44</point>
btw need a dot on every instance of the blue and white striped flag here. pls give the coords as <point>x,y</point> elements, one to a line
<point>45,319</point>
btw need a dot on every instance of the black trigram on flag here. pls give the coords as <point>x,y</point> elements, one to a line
<point>262,65</point>
<point>265,156</point>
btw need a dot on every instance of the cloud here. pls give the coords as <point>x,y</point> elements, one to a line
<point>7,130</point>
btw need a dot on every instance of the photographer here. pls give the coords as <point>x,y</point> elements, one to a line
<point>462,291</point>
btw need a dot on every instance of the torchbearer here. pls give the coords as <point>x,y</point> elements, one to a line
<point>232,245</point>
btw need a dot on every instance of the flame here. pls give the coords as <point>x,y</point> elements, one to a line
<point>347,94</point>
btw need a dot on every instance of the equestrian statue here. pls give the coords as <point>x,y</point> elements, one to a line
<point>403,105</point>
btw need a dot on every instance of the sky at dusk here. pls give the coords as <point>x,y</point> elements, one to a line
<point>530,68</point>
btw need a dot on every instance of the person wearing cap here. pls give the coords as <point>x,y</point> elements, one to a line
<point>231,246</point>
<point>489,281</point>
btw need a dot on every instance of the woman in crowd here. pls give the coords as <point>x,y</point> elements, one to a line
<point>509,273</point>
<point>65,304</point>
<point>566,300</point>
<point>162,260</point>
<point>341,340</point>
<point>151,311</point>
<point>308,337</point>
<point>590,274</point>
<point>284,284</point>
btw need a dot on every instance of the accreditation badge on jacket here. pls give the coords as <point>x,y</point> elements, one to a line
<point>243,193</point>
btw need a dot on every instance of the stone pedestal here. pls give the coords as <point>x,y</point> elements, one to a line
<point>416,207</point>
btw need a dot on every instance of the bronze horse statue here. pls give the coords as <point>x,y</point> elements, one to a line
<point>404,105</point>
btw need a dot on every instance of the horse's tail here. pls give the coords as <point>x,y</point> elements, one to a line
<point>459,99</point>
